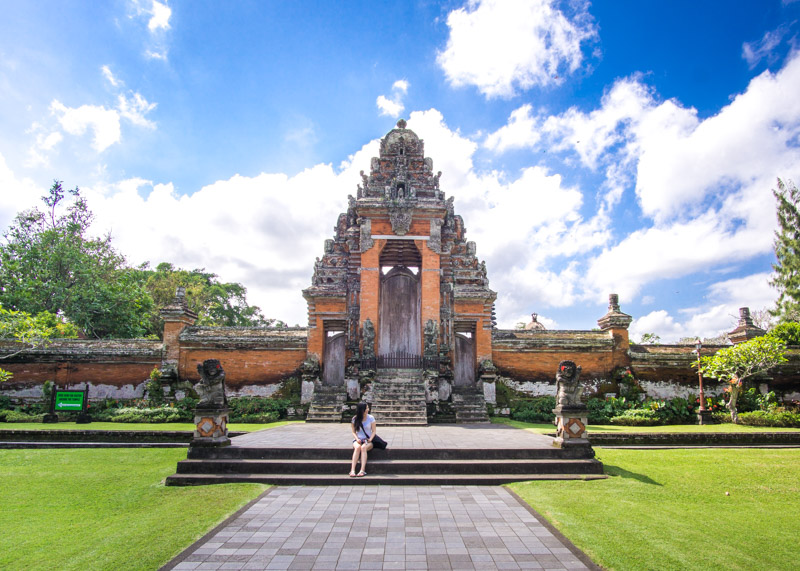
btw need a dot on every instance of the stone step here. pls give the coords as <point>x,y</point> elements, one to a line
<point>345,452</point>
<point>370,479</point>
<point>398,467</point>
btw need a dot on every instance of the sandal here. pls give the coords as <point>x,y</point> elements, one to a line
<point>361,474</point>
<point>352,474</point>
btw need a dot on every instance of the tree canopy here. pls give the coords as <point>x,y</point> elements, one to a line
<point>50,263</point>
<point>787,251</point>
<point>30,331</point>
<point>737,364</point>
<point>214,302</point>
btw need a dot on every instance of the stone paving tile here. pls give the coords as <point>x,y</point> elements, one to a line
<point>393,527</point>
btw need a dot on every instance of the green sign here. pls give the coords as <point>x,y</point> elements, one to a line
<point>69,400</point>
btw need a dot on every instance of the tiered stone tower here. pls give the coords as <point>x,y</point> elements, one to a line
<point>399,286</point>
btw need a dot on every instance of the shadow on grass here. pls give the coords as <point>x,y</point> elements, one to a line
<point>617,471</point>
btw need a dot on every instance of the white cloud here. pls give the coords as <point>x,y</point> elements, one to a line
<point>160,17</point>
<point>134,109</point>
<point>719,316</point>
<point>754,52</point>
<point>520,132</point>
<point>160,55</point>
<point>499,46</point>
<point>393,106</point>
<point>157,15</point>
<point>104,123</point>
<point>18,194</point>
<point>110,76</point>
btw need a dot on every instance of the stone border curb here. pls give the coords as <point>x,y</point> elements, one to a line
<point>203,540</point>
<point>583,557</point>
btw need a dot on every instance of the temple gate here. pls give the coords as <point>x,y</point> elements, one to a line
<point>399,259</point>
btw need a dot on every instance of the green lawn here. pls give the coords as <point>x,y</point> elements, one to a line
<point>104,509</point>
<point>549,428</point>
<point>668,509</point>
<point>132,426</point>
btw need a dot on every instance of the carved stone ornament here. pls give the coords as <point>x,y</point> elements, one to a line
<point>368,337</point>
<point>211,388</point>
<point>431,334</point>
<point>400,217</point>
<point>568,385</point>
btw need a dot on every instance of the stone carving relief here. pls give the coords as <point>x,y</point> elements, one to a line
<point>431,335</point>
<point>400,214</point>
<point>368,339</point>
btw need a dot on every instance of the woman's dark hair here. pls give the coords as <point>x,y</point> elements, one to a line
<point>361,408</point>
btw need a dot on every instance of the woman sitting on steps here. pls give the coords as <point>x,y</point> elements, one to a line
<point>363,426</point>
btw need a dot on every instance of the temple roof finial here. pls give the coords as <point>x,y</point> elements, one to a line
<point>401,124</point>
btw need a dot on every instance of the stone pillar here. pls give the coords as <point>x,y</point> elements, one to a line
<point>616,323</point>
<point>571,421</point>
<point>211,427</point>
<point>746,329</point>
<point>487,373</point>
<point>211,414</point>
<point>177,316</point>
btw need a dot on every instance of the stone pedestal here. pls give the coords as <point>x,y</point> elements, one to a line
<point>211,427</point>
<point>705,417</point>
<point>571,421</point>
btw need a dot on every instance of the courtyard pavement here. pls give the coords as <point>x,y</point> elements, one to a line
<point>386,527</point>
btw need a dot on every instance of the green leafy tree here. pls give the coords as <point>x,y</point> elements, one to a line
<point>30,331</point>
<point>788,333</point>
<point>787,252</point>
<point>736,365</point>
<point>216,303</point>
<point>650,339</point>
<point>50,263</point>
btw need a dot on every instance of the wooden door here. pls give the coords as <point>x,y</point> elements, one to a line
<point>464,374</point>
<point>333,360</point>
<point>399,314</point>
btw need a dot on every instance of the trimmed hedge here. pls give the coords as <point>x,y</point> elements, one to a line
<point>768,418</point>
<point>637,417</point>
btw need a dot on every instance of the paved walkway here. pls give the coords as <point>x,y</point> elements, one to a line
<point>384,527</point>
<point>442,436</point>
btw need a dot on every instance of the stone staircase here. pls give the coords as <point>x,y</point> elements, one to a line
<point>469,404</point>
<point>398,398</point>
<point>326,404</point>
<point>328,466</point>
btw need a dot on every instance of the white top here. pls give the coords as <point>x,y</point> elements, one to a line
<point>366,427</point>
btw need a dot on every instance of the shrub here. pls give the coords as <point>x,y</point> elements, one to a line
<point>637,417</point>
<point>154,388</point>
<point>17,416</point>
<point>290,390</point>
<point>160,414</point>
<point>262,418</point>
<point>673,411</point>
<point>770,418</point>
<point>536,409</point>
<point>242,406</point>
<point>601,411</point>
<point>5,403</point>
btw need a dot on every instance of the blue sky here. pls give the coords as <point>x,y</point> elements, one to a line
<point>622,146</point>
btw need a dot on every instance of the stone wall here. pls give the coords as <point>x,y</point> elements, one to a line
<point>533,356</point>
<point>255,359</point>
<point>115,368</point>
